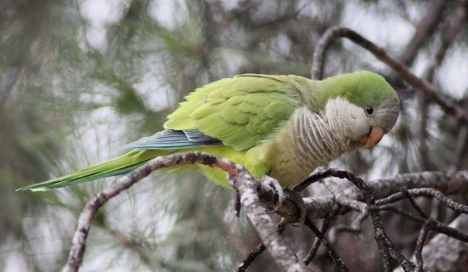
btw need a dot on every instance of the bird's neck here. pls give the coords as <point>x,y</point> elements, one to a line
<point>319,140</point>
<point>308,140</point>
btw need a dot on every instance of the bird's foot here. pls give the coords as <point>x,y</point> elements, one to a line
<point>280,197</point>
<point>273,187</point>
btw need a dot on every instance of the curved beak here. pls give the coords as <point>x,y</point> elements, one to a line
<point>373,137</point>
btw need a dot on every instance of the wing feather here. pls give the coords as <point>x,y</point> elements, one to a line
<point>240,111</point>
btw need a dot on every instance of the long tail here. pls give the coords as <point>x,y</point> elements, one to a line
<point>117,166</point>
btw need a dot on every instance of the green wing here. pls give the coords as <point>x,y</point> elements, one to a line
<point>239,111</point>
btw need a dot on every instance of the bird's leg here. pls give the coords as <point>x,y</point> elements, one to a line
<point>280,197</point>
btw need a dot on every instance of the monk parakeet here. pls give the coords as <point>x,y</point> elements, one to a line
<point>276,125</point>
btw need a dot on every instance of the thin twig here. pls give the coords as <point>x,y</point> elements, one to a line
<point>342,199</point>
<point>380,237</point>
<point>318,239</point>
<point>419,245</point>
<point>413,204</point>
<point>313,178</point>
<point>426,192</point>
<point>437,226</point>
<point>320,235</point>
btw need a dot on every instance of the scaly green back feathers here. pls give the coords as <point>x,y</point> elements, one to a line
<point>239,111</point>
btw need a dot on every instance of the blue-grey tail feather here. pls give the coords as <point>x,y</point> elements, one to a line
<point>174,139</point>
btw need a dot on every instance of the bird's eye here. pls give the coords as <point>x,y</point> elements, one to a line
<point>369,110</point>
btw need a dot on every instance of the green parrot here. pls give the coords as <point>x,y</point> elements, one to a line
<point>283,126</point>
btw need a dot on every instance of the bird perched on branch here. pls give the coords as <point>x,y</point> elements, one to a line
<point>276,125</point>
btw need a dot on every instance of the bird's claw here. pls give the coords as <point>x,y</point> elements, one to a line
<point>279,192</point>
<point>296,219</point>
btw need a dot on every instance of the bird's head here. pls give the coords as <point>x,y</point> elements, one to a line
<point>365,108</point>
